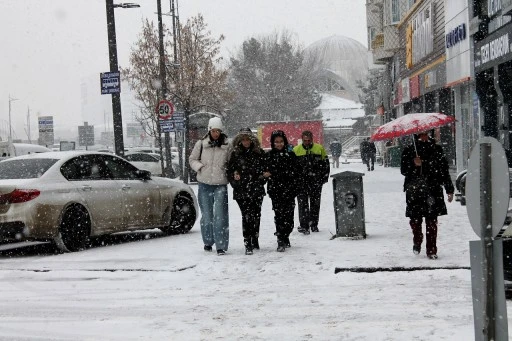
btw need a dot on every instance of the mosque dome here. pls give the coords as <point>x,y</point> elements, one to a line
<point>343,60</point>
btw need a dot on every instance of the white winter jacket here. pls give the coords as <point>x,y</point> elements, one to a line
<point>209,162</point>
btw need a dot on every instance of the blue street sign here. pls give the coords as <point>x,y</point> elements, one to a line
<point>169,126</point>
<point>178,116</point>
<point>110,83</point>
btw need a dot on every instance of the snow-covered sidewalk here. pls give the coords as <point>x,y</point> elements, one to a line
<point>176,291</point>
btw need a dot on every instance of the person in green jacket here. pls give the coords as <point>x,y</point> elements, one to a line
<point>314,172</point>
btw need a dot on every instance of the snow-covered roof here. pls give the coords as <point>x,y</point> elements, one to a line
<point>339,112</point>
<point>335,102</point>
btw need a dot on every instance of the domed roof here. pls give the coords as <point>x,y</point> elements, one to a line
<point>344,56</point>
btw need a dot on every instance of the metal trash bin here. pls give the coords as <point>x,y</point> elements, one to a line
<point>349,204</point>
<point>395,156</point>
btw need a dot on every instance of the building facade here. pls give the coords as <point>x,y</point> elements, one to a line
<point>427,48</point>
<point>491,32</point>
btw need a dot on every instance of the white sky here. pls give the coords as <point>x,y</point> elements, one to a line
<point>49,46</point>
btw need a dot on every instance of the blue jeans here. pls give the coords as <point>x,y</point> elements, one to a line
<point>213,202</point>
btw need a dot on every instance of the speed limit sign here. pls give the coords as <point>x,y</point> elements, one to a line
<point>164,109</point>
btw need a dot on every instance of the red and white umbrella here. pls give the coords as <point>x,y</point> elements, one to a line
<point>411,124</point>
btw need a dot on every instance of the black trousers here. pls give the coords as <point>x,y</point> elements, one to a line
<point>369,160</point>
<point>251,216</point>
<point>283,216</point>
<point>309,207</point>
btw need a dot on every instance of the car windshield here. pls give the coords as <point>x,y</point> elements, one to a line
<point>25,168</point>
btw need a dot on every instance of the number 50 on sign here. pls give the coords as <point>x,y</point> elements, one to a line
<point>164,110</point>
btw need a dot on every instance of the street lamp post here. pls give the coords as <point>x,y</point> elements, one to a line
<point>10,125</point>
<point>112,52</point>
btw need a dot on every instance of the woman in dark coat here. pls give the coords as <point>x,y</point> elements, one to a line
<point>282,187</point>
<point>426,173</point>
<point>245,174</point>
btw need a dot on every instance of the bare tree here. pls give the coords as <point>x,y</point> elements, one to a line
<point>195,82</point>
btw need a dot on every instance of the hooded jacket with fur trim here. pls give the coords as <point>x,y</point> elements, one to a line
<point>250,164</point>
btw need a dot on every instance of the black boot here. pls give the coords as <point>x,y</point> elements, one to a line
<point>248,246</point>
<point>255,244</point>
<point>281,247</point>
<point>286,241</point>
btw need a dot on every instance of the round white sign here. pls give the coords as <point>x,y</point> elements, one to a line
<point>498,175</point>
<point>164,109</point>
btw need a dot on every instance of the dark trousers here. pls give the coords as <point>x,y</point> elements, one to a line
<point>283,217</point>
<point>251,216</point>
<point>431,231</point>
<point>336,161</point>
<point>369,160</point>
<point>309,207</point>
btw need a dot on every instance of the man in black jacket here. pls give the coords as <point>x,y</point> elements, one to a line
<point>314,168</point>
<point>368,152</point>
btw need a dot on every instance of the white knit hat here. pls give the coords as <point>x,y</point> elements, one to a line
<point>215,123</point>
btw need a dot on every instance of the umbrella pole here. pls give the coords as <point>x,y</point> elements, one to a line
<point>414,143</point>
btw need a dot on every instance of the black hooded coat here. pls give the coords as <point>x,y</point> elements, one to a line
<point>283,184</point>
<point>250,164</point>
<point>434,170</point>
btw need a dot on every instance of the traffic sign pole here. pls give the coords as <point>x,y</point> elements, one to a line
<point>486,234</point>
<point>487,189</point>
<point>165,110</point>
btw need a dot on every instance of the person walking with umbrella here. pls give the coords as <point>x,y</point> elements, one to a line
<point>425,168</point>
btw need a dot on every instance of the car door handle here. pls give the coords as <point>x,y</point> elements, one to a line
<point>125,187</point>
<point>86,188</point>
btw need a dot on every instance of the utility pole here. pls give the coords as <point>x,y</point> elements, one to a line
<point>116,98</point>
<point>175,66</point>
<point>10,124</point>
<point>169,171</point>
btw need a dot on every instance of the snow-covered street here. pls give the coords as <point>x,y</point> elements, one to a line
<point>168,288</point>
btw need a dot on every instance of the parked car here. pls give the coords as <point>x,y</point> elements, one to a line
<point>68,197</point>
<point>154,150</point>
<point>145,161</point>
<point>8,149</point>
<point>150,162</point>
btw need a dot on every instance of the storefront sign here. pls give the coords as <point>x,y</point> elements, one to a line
<point>430,79</point>
<point>422,36</point>
<point>456,35</point>
<point>405,91</point>
<point>494,49</point>
<point>415,86</point>
<point>493,7</point>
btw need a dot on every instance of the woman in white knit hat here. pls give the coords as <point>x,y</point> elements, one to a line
<point>209,159</point>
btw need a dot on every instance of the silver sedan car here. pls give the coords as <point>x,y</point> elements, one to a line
<point>68,197</point>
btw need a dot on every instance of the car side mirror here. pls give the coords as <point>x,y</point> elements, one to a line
<point>143,174</point>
